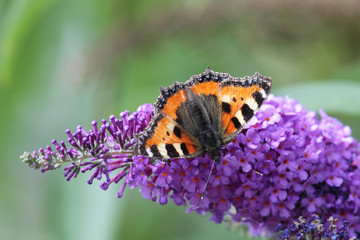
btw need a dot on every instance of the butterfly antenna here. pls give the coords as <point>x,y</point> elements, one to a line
<point>254,171</point>
<point>259,173</point>
<point>208,179</point>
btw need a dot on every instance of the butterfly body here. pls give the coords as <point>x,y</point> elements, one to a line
<point>201,115</point>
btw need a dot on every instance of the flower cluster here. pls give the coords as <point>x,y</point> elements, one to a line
<point>306,166</point>
<point>314,229</point>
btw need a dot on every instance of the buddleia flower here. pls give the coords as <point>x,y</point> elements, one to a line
<point>286,163</point>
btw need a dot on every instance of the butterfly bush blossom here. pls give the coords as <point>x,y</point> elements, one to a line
<point>286,163</point>
<point>313,228</point>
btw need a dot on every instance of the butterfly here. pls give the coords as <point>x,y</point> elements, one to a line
<point>201,115</point>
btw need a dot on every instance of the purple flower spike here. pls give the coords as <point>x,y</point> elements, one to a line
<point>286,163</point>
<point>315,228</point>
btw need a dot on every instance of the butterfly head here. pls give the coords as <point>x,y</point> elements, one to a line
<point>212,144</point>
<point>214,154</point>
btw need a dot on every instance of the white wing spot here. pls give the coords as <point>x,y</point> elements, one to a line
<point>171,126</point>
<point>263,93</point>
<point>240,117</point>
<point>225,98</point>
<point>162,150</point>
<point>178,148</point>
<point>150,154</point>
<point>252,103</point>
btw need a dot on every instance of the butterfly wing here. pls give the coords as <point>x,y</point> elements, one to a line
<point>240,99</point>
<point>165,137</point>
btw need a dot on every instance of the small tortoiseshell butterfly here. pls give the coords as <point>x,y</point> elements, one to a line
<point>202,114</point>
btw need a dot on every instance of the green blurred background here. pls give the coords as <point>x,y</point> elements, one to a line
<point>64,63</point>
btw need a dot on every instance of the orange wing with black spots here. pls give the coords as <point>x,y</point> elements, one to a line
<point>166,139</point>
<point>240,99</point>
<point>192,118</point>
